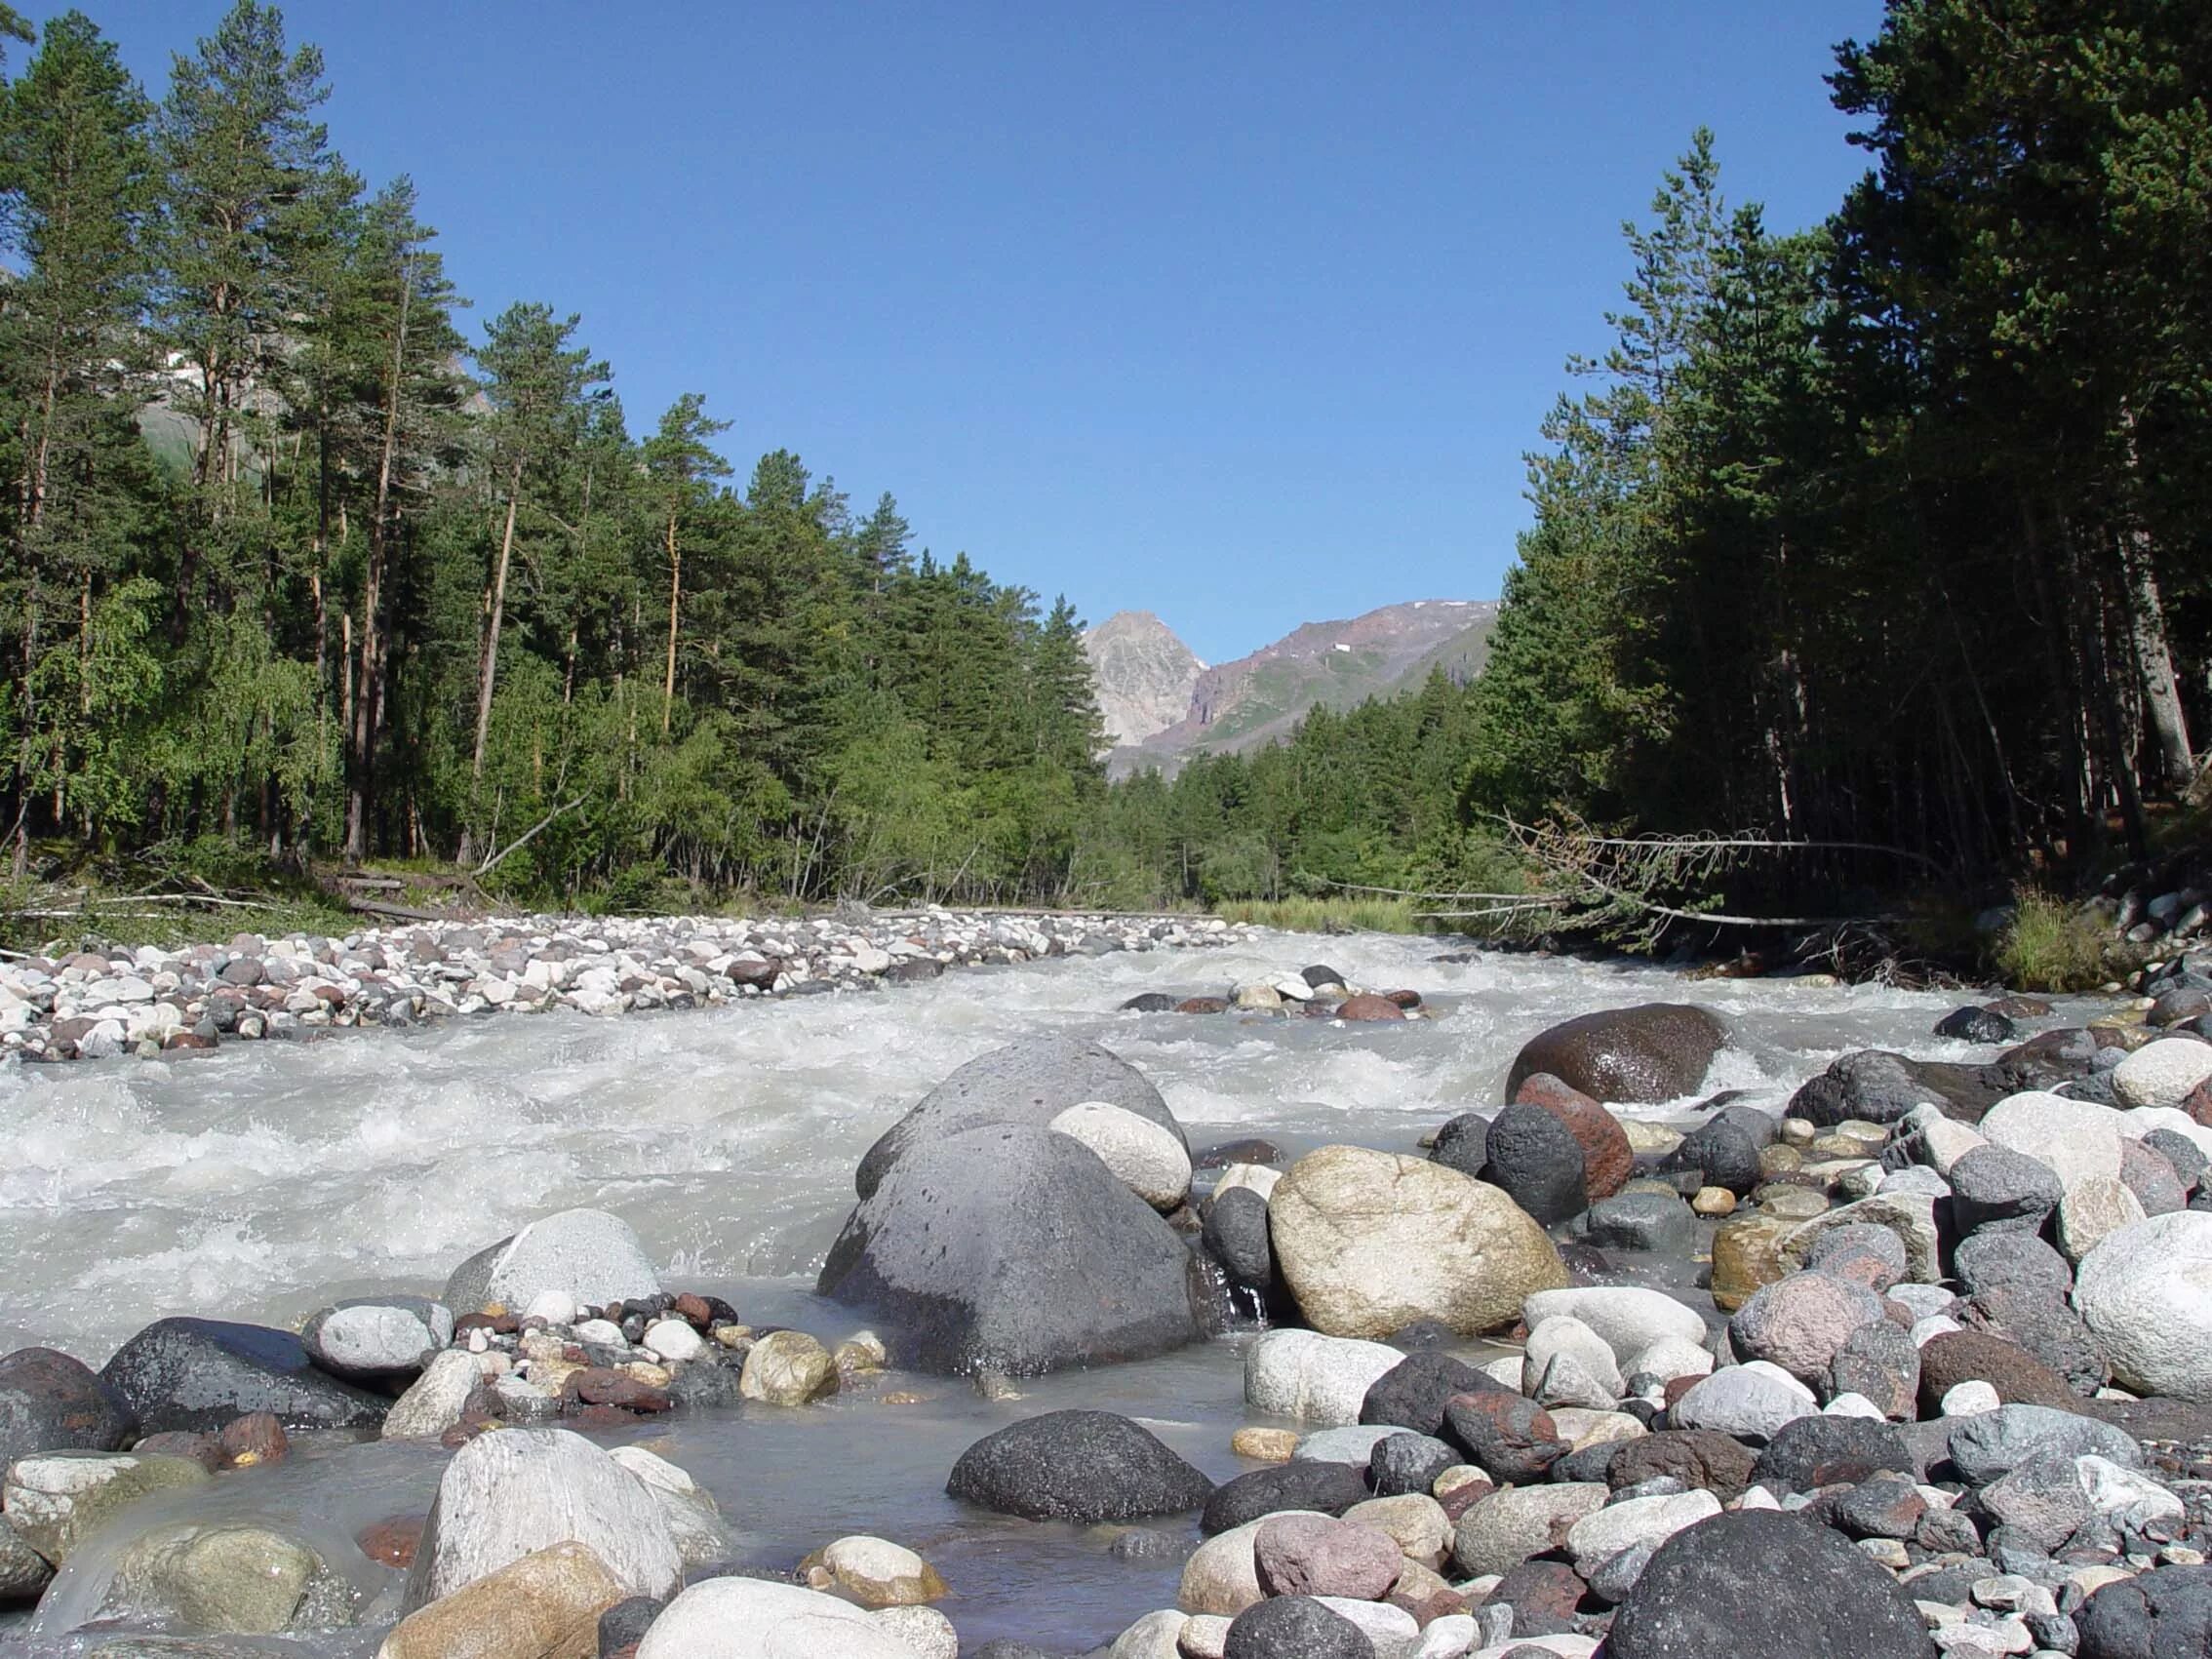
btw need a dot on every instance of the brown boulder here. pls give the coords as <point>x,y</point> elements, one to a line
<point>1368,1008</point>
<point>1974,1356</point>
<point>1607,1159</point>
<point>1652,1053</point>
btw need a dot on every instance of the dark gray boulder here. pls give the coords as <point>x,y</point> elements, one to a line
<point>1012,1249</point>
<point>1029,1082</point>
<point>1413,1392</point>
<point>50,1402</point>
<point>1462,1143</point>
<point>1811,1452</point>
<point>2147,1172</point>
<point>1723,1152</point>
<point>2164,1614</point>
<point>1235,1232</point>
<point>1081,1466</point>
<point>1294,1627</point>
<point>197,1374</point>
<point>1538,1162</point>
<point>1652,1053</point>
<point>2010,1261</point>
<point>1762,1582</point>
<point>1149,1002</point>
<point>1877,1086</point>
<point>1995,1189</point>
<point>1409,1463</point>
<point>1312,1484</point>
<point>1642,1221</point>
<point>1976,1025</point>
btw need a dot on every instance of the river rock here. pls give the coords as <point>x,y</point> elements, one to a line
<point>1012,1249</point>
<point>586,1256</point>
<point>53,1500</point>
<point>1952,1357</point>
<point>1760,1582</point>
<point>1747,1254</point>
<point>788,1367</point>
<point>1509,1439</point>
<point>1311,1554</point>
<point>1028,1083</point>
<point>2012,1261</point>
<point>2164,1614</point>
<point>2091,1212</point>
<point>2145,1295</point>
<point>874,1573</point>
<point>437,1399</point>
<point>1406,1462</point>
<point>1991,1444</point>
<point>1221,1576</point>
<point>1801,1322</point>
<point>1976,1025</point>
<point>225,1578</point>
<point>196,1375</point>
<point>1881,1363</point>
<point>2151,1176</point>
<point>1607,1159</point>
<point>1081,1466</point>
<point>1372,1241</point>
<point>1313,1378</point>
<point>695,1523</point>
<point>377,1342</point>
<point>1717,1463</point>
<point>1635,1522</point>
<point>24,1573</point>
<point>1628,1319</point>
<point>1827,1449</point>
<point>1535,1158</point>
<point>545,1606</point>
<point>50,1402</point>
<point>1995,1189</point>
<point>1723,1152</point>
<point>1563,1334</point>
<point>752,1618</point>
<point>1413,1392</point>
<point>1752,1401</point>
<point>507,1495</point>
<point>1463,1143</point>
<point>1657,1052</point>
<point>1153,1163</point>
<point>1319,1487</point>
<point>2076,1138</point>
<point>1656,1222</point>
<point>1908,1214</point>
<point>1236,1231</point>
<point>2162,1073</point>
<point>1504,1529</point>
<point>1294,1627</point>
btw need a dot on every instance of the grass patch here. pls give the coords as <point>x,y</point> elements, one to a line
<point>2051,946</point>
<point>1325,915</point>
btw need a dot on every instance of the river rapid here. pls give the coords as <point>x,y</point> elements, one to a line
<point>263,1181</point>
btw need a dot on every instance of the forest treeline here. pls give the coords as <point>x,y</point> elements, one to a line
<point>1889,532</point>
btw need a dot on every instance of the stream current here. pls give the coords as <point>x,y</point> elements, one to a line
<point>266,1180</point>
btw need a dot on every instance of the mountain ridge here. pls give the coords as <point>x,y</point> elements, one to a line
<point>1138,664</point>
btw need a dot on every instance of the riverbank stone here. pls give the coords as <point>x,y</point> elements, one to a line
<point>1294,1627</point>
<point>1012,1249</point>
<point>50,1402</point>
<point>382,1342</point>
<point>1029,1084</point>
<point>2145,1292</point>
<point>1760,1582</point>
<point>546,1605</point>
<point>1372,1241</point>
<point>200,1374</point>
<point>586,1256</point>
<point>1535,1158</point>
<point>53,1500</point>
<point>226,1578</point>
<point>1314,1379</point>
<point>1644,1054</point>
<point>1152,1161</point>
<point>509,1495</point>
<point>1320,1487</point>
<point>753,1618</point>
<point>1081,1466</point>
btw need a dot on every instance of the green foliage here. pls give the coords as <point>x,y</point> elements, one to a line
<point>2050,945</point>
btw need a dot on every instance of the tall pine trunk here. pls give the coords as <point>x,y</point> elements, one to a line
<point>674,592</point>
<point>490,676</point>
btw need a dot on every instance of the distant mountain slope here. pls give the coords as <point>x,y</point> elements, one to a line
<point>1143,675</point>
<point>1258,699</point>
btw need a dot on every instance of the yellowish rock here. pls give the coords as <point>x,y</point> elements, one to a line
<point>1264,1445</point>
<point>1746,1254</point>
<point>788,1367</point>
<point>545,1606</point>
<point>874,1573</point>
<point>1713,1201</point>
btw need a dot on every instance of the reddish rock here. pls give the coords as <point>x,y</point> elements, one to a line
<point>1607,1159</point>
<point>1202,1004</point>
<point>256,1439</point>
<point>1544,1596</point>
<point>1975,1356</point>
<point>1368,1008</point>
<point>2198,1102</point>
<point>1404,999</point>
<point>1679,1386</point>
<point>186,1041</point>
<point>598,1387</point>
<point>1311,1554</point>
<point>393,1540</point>
<point>1460,1499</point>
<point>693,1310</point>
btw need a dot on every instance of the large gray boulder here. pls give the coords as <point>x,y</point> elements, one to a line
<point>194,1374</point>
<point>1012,1249</point>
<point>52,1403</point>
<point>379,1342</point>
<point>590,1257</point>
<point>507,1495</point>
<point>1028,1083</point>
<point>2145,1295</point>
<point>1652,1053</point>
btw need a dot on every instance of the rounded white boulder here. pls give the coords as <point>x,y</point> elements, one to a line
<point>2078,1140</point>
<point>2162,1073</point>
<point>2145,1295</point>
<point>1144,1157</point>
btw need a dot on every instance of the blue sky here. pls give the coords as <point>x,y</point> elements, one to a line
<point>1240,313</point>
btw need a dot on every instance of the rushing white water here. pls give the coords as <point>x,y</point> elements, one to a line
<point>264,1180</point>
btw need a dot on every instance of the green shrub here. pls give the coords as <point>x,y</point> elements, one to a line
<point>2049,945</point>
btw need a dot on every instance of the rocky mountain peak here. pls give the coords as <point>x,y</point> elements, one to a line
<point>1143,675</point>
